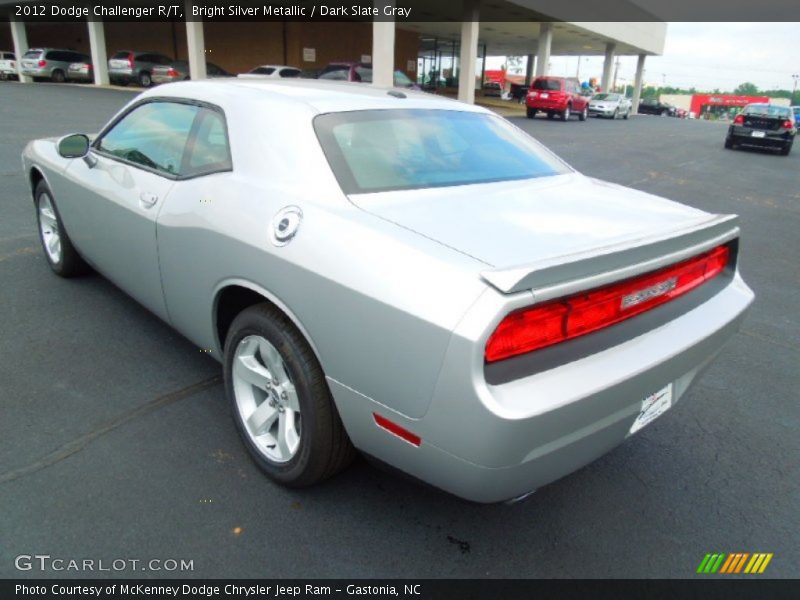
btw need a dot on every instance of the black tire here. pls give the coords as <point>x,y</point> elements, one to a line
<point>70,264</point>
<point>787,148</point>
<point>550,114</point>
<point>530,113</point>
<point>584,114</point>
<point>615,116</point>
<point>627,114</point>
<point>58,76</point>
<point>566,113</point>
<point>325,449</point>
<point>729,143</point>
<point>143,79</point>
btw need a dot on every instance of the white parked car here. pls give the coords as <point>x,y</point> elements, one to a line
<point>8,65</point>
<point>276,71</point>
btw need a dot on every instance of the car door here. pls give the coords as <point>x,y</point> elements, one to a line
<point>137,162</point>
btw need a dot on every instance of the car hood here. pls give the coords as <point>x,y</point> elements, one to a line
<point>519,222</point>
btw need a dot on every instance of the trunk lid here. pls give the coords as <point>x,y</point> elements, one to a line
<point>517,228</point>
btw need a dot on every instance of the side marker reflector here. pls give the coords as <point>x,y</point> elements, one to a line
<point>394,428</point>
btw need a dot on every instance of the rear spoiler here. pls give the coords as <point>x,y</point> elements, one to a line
<point>569,273</point>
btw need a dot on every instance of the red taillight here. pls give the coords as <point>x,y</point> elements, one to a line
<point>561,320</point>
<point>738,120</point>
<point>88,67</point>
<point>172,72</point>
<point>394,428</point>
<point>787,124</point>
<point>130,59</point>
<point>42,63</point>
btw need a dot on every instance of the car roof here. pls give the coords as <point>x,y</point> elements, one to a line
<point>275,67</point>
<point>318,96</point>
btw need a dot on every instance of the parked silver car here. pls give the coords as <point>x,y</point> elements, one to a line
<point>126,67</point>
<point>394,272</point>
<point>613,106</point>
<point>178,70</point>
<point>81,71</point>
<point>50,63</point>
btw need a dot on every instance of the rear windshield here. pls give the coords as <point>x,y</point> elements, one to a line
<point>263,70</point>
<point>547,84</point>
<point>290,73</point>
<point>32,54</point>
<point>120,55</point>
<point>767,110</point>
<point>383,150</point>
<point>606,97</point>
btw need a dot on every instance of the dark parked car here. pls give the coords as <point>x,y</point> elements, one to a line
<point>653,106</point>
<point>763,125</point>
<point>126,67</point>
<point>50,63</point>
<point>362,72</point>
<point>178,70</point>
<point>557,96</point>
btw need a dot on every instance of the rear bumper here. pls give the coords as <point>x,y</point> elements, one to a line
<point>36,72</point>
<point>162,78</point>
<point>121,74</point>
<point>79,76</point>
<point>744,135</point>
<point>491,443</point>
<point>545,105</point>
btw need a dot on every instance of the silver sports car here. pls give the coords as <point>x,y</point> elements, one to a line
<point>395,273</point>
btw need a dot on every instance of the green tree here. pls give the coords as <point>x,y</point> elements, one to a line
<point>746,89</point>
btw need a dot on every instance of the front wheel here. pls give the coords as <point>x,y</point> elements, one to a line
<point>280,400</point>
<point>566,114</point>
<point>61,255</point>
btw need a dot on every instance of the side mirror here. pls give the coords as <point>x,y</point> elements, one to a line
<point>73,146</point>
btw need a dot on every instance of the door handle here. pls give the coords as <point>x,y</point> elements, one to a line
<point>148,199</point>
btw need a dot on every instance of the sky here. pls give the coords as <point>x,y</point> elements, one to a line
<point>707,56</point>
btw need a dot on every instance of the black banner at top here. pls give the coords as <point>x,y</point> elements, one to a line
<point>408,11</point>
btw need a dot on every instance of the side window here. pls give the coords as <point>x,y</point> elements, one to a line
<point>338,74</point>
<point>209,151</point>
<point>153,135</point>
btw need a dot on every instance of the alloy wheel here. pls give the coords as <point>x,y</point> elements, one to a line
<point>48,226</point>
<point>266,399</point>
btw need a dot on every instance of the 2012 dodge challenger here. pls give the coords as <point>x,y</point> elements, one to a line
<point>396,273</point>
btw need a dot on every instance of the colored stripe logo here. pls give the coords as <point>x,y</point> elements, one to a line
<point>734,563</point>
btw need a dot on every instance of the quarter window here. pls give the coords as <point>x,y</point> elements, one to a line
<point>153,135</point>
<point>209,151</point>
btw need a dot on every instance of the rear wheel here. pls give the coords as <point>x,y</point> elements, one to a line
<point>550,114</point>
<point>566,114</point>
<point>729,143</point>
<point>280,400</point>
<point>62,257</point>
<point>144,79</point>
<point>58,76</point>
<point>530,112</point>
<point>584,114</point>
<point>787,148</point>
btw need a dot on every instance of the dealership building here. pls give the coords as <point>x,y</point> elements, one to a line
<point>444,47</point>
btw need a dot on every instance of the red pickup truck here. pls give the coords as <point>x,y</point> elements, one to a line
<point>557,96</point>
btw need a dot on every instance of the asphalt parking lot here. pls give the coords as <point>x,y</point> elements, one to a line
<point>116,442</point>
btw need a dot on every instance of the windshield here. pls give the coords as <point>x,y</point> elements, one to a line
<point>547,84</point>
<point>767,110</point>
<point>32,54</point>
<point>382,150</point>
<point>609,97</point>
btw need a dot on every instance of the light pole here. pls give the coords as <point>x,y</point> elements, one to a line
<point>794,88</point>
